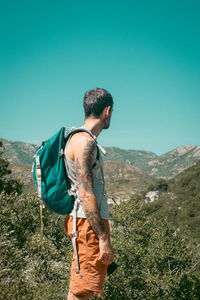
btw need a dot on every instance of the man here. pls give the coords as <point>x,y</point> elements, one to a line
<point>85,170</point>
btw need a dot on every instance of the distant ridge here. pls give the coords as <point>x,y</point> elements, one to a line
<point>19,153</point>
<point>166,166</point>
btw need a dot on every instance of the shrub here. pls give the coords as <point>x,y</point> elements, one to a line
<point>31,267</point>
<point>154,261</point>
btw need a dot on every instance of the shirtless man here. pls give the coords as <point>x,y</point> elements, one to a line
<point>85,166</point>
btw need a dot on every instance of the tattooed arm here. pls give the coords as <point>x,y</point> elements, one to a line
<point>84,160</point>
<point>84,165</point>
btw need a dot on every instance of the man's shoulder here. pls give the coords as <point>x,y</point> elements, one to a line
<point>79,144</point>
<point>81,138</point>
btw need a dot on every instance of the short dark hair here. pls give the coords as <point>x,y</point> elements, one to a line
<point>95,101</point>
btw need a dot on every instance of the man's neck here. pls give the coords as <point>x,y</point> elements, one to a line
<point>94,125</point>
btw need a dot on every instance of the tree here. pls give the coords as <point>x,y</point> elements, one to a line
<point>7,184</point>
<point>160,185</point>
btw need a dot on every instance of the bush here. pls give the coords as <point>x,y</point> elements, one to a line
<point>154,261</point>
<point>31,267</point>
<point>7,184</point>
<point>161,185</point>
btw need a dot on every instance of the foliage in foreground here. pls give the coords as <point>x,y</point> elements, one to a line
<point>154,261</point>
<point>31,268</point>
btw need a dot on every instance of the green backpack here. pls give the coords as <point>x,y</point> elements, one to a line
<point>49,172</point>
<point>52,182</point>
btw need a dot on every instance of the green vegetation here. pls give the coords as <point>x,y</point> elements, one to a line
<point>160,185</point>
<point>33,265</point>
<point>179,201</point>
<point>7,184</point>
<point>32,268</point>
<point>155,262</point>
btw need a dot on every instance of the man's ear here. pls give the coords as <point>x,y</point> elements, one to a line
<point>107,110</point>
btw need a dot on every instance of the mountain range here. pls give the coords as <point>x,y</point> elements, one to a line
<point>127,172</point>
<point>19,153</point>
<point>166,166</point>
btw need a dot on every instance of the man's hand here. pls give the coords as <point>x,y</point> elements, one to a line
<point>106,252</point>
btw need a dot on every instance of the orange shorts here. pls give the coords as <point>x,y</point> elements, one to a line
<point>89,281</point>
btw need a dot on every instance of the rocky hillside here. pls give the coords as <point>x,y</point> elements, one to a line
<point>23,172</point>
<point>178,199</point>
<point>124,180</point>
<point>175,161</point>
<point>166,166</point>
<point>135,158</point>
<point>19,152</point>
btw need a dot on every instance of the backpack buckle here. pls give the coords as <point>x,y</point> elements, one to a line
<point>61,153</point>
<point>75,234</point>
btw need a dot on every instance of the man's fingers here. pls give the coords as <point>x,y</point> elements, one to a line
<point>100,257</point>
<point>106,258</point>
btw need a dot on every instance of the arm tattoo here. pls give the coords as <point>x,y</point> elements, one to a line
<point>84,178</point>
<point>96,222</point>
<point>84,174</point>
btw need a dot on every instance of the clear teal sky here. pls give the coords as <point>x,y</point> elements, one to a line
<point>145,53</point>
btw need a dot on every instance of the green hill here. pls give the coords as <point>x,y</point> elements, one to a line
<point>180,201</point>
<point>19,152</point>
